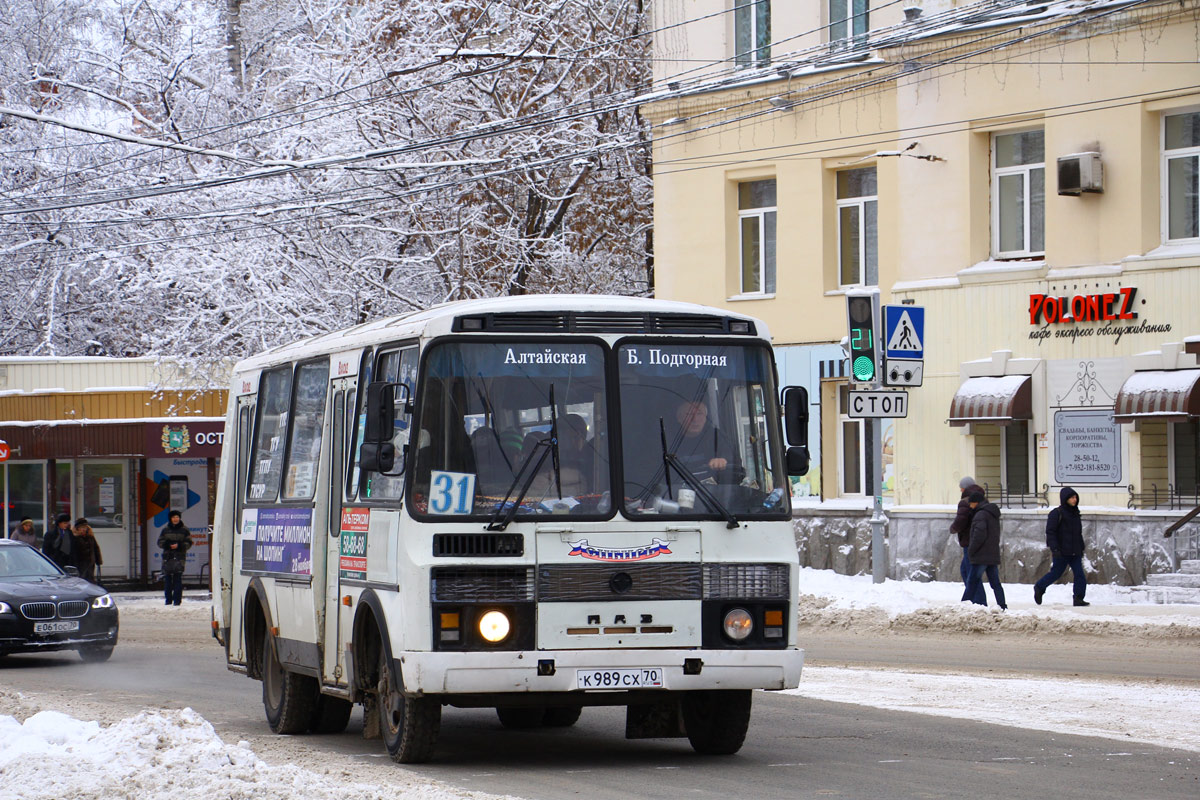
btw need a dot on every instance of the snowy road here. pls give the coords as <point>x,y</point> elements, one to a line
<point>799,746</point>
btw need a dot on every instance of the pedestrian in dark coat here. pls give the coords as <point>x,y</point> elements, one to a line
<point>59,544</point>
<point>175,540</point>
<point>961,527</point>
<point>1064,537</point>
<point>87,550</point>
<point>984,549</point>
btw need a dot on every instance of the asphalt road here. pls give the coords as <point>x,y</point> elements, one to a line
<point>797,748</point>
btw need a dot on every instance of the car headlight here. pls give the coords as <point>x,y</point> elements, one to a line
<point>5,608</point>
<point>103,601</point>
<point>494,626</point>
<point>738,624</point>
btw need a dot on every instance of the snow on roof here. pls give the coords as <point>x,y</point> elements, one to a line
<point>1173,381</point>
<point>997,388</point>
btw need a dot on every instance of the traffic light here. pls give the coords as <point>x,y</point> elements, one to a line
<point>864,349</point>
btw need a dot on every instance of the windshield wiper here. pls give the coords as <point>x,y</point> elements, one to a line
<point>501,517</point>
<point>672,460</point>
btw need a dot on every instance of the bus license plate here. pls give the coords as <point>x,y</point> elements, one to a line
<point>55,627</point>
<point>637,678</point>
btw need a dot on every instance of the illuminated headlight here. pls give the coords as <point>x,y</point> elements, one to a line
<point>494,626</point>
<point>103,601</point>
<point>5,608</point>
<point>738,624</point>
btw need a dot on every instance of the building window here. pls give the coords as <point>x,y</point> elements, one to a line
<point>756,223</point>
<point>848,22</point>
<point>752,32</point>
<point>858,261</point>
<point>1018,194</point>
<point>1185,457</point>
<point>1181,173</point>
<point>851,459</point>
<point>1016,454</point>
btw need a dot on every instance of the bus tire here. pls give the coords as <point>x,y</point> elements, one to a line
<point>716,721</point>
<point>290,699</point>
<point>521,718</point>
<point>331,715</point>
<point>409,725</point>
<point>561,716</point>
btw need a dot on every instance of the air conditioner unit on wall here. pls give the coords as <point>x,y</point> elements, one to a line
<point>1080,172</point>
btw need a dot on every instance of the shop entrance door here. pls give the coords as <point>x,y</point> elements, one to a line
<point>102,497</point>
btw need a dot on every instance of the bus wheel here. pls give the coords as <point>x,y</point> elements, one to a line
<point>331,715</point>
<point>716,721</point>
<point>289,698</point>
<point>561,716</point>
<point>409,725</point>
<point>522,717</point>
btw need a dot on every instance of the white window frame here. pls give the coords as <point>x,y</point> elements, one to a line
<point>1031,458</point>
<point>852,21</point>
<point>761,214</point>
<point>1024,170</point>
<point>745,13</point>
<point>861,203</point>
<point>1167,156</point>
<point>844,418</point>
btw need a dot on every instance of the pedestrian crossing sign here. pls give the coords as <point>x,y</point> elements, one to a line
<point>904,331</point>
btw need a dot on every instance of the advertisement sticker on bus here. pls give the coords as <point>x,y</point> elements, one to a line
<point>246,382</point>
<point>352,560</point>
<point>277,540</point>
<point>345,364</point>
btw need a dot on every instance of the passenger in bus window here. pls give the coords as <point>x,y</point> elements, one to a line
<point>576,455</point>
<point>702,448</point>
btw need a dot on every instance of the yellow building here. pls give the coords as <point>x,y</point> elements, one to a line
<point>1026,172</point>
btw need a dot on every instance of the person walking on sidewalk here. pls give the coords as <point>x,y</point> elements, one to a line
<point>1064,537</point>
<point>174,541</point>
<point>984,550</point>
<point>87,550</point>
<point>961,527</point>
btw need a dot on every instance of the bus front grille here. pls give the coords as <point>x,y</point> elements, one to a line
<point>482,584</point>
<point>478,544</point>
<point>559,583</point>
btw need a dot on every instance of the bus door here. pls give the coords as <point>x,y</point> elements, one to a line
<point>343,525</point>
<point>230,554</point>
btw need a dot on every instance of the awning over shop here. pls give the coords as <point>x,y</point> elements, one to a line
<point>1170,395</point>
<point>994,400</point>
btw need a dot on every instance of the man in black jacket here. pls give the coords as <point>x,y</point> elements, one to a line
<point>175,540</point>
<point>59,544</point>
<point>984,549</point>
<point>961,527</point>
<point>1064,537</point>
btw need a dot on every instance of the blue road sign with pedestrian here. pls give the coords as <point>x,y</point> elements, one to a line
<point>904,331</point>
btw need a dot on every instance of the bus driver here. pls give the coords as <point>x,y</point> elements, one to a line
<point>702,449</point>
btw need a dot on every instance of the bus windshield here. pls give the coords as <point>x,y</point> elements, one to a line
<point>706,409</point>
<point>488,410</point>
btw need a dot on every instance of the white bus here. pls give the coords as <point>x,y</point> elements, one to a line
<point>536,504</point>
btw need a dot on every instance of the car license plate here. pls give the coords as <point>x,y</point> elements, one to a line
<point>636,678</point>
<point>55,627</point>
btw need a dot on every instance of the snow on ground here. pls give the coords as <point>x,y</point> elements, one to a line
<point>154,754</point>
<point>1132,711</point>
<point>832,600</point>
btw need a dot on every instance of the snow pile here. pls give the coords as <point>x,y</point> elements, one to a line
<point>153,754</point>
<point>1126,710</point>
<point>828,599</point>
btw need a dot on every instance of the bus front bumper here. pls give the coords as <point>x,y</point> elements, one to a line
<point>582,670</point>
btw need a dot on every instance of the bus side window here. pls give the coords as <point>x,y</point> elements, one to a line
<point>266,466</point>
<point>308,422</point>
<point>395,366</point>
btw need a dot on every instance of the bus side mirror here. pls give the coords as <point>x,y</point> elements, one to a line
<point>381,412</point>
<point>795,418</point>
<point>797,460</point>
<point>377,456</point>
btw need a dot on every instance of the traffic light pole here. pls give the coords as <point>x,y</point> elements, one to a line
<point>878,520</point>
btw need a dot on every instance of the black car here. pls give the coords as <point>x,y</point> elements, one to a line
<point>44,608</point>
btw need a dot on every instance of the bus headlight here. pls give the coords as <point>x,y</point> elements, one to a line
<point>494,626</point>
<point>738,624</point>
